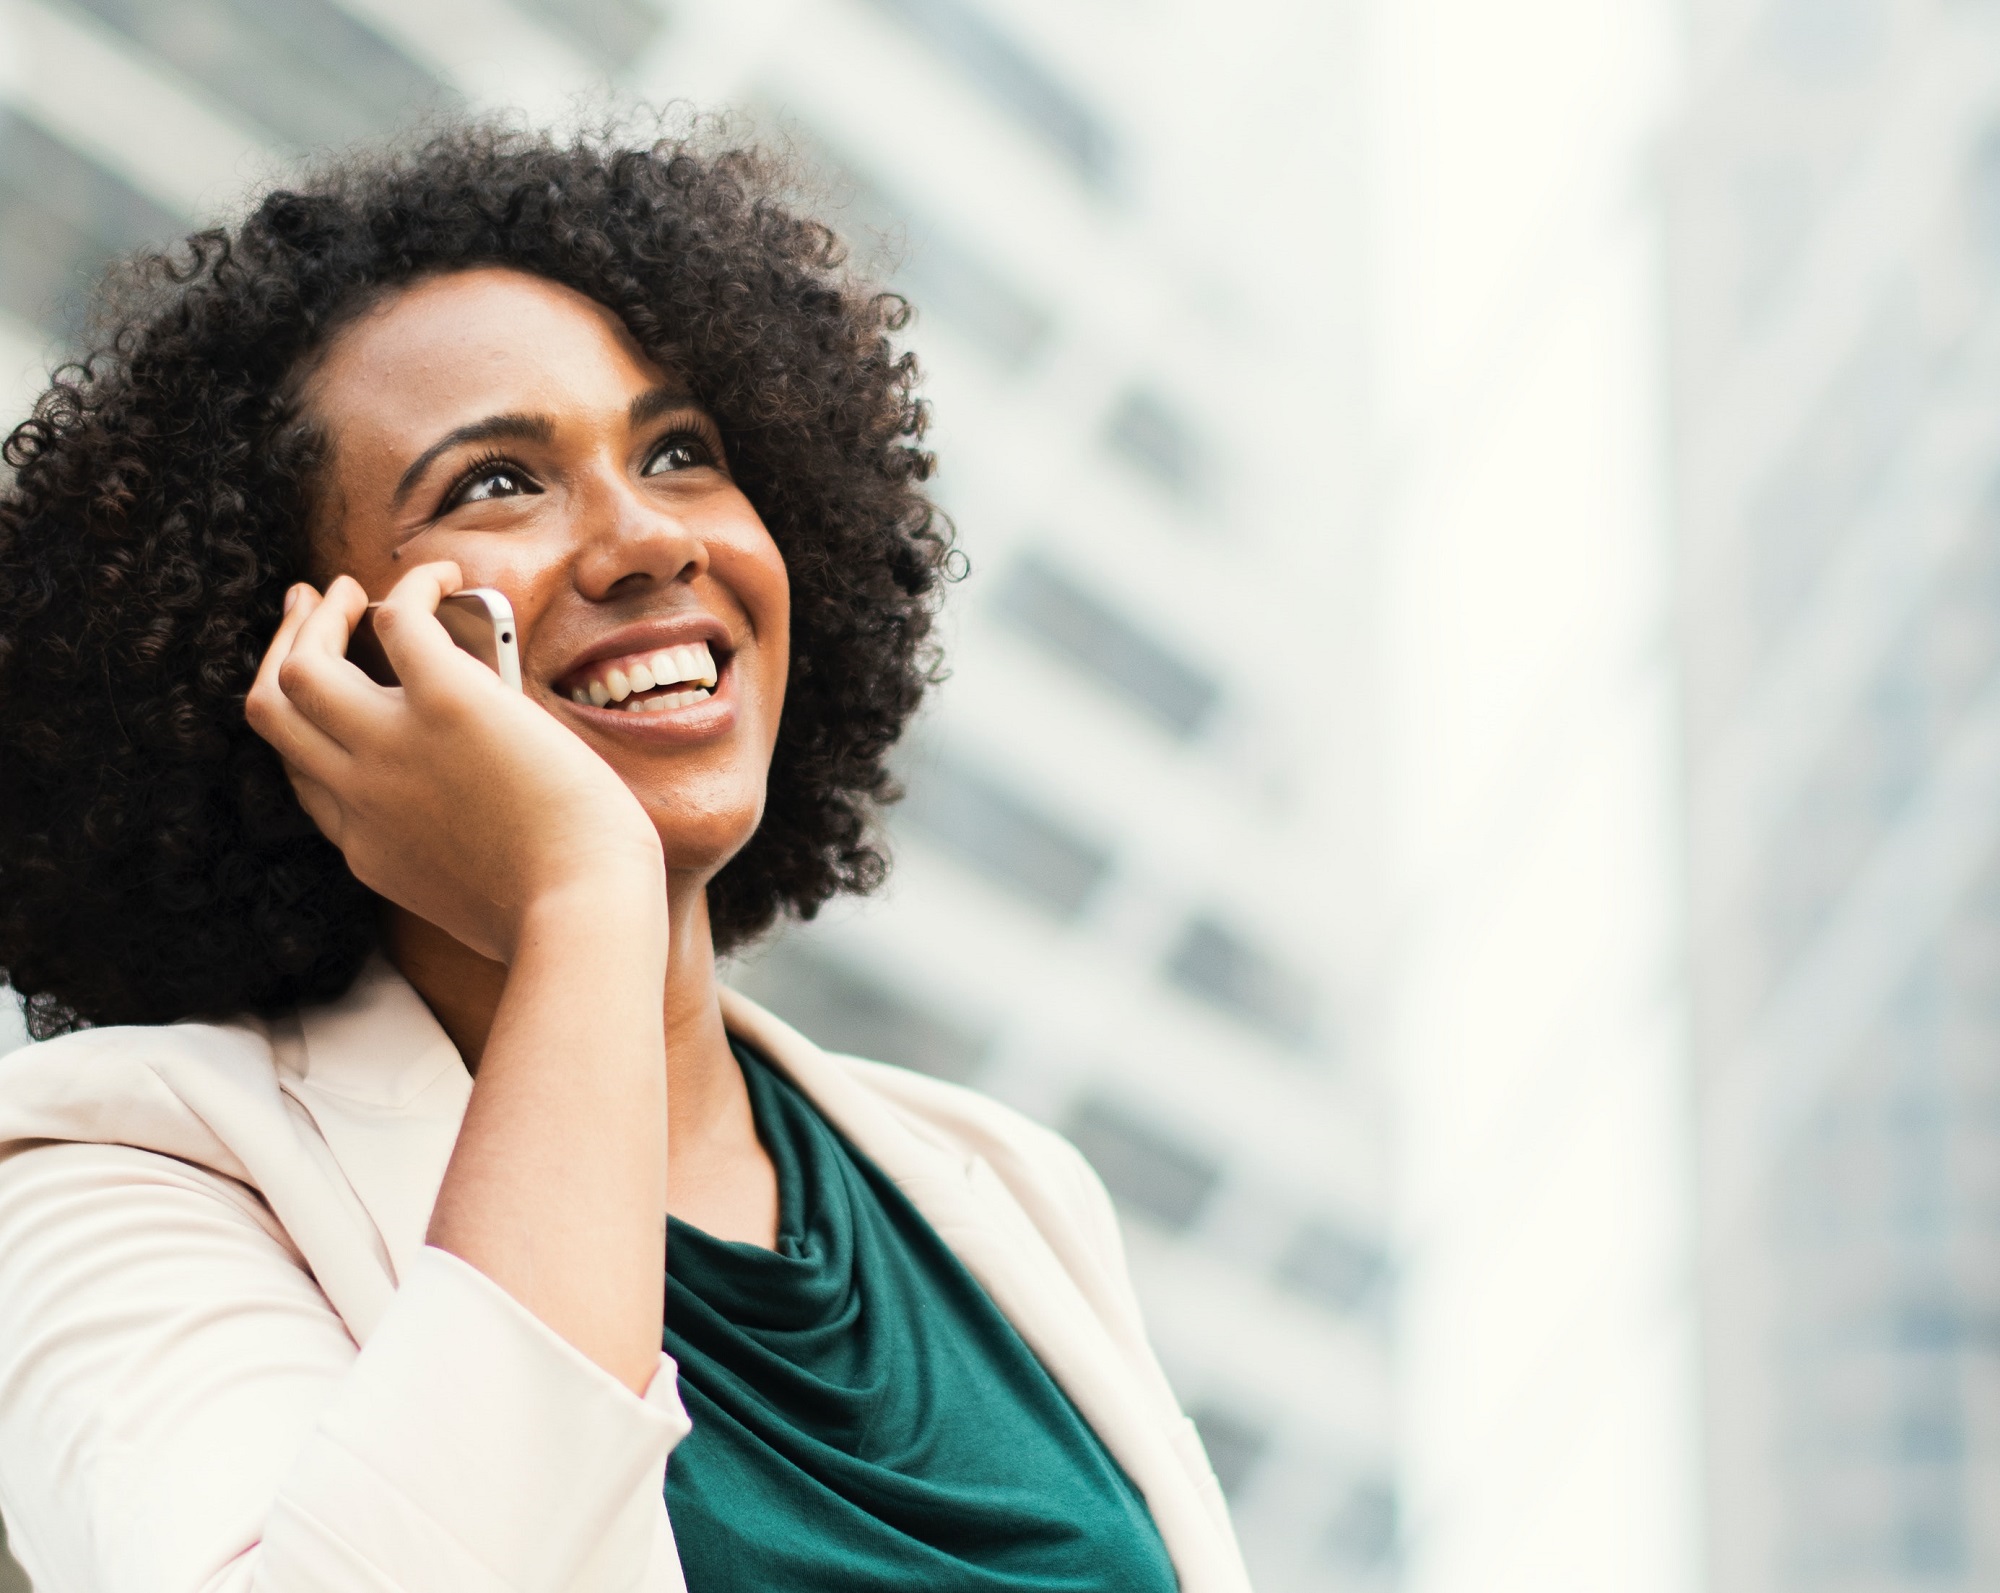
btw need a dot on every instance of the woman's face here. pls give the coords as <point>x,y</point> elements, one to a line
<point>511,424</point>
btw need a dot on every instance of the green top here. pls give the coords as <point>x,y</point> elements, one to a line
<point>864,1416</point>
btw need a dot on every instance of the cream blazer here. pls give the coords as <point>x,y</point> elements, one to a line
<point>228,1360</point>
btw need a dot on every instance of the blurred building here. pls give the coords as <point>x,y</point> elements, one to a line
<point>1837,350</point>
<point>1536,1035</point>
<point>1133,885</point>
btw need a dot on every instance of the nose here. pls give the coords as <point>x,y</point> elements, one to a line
<point>629,542</point>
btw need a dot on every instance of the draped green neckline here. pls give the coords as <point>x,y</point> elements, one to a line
<point>864,1416</point>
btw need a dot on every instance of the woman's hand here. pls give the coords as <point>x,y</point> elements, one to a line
<point>450,795</point>
<point>464,803</point>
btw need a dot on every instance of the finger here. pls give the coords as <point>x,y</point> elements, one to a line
<point>329,627</point>
<point>319,681</point>
<point>300,601</point>
<point>419,647</point>
<point>269,711</point>
<point>277,717</point>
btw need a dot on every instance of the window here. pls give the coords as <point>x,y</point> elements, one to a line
<point>63,218</point>
<point>1931,1543</point>
<point>1821,38</point>
<point>1006,837</point>
<point>1836,464</point>
<point>1234,1442</point>
<point>613,33</point>
<point>1041,601</point>
<point>1363,1530</point>
<point>844,1009</point>
<point>1885,746</point>
<point>1148,433</point>
<point>1147,1169</point>
<point>1930,1430</point>
<point>1214,964</point>
<point>940,275</point>
<point>305,69</point>
<point>1015,81</point>
<point>1331,1266</point>
<point>1927,1320</point>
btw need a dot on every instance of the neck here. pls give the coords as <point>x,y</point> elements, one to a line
<point>709,1126</point>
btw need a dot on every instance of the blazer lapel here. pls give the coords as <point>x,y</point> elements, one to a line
<point>387,1090</point>
<point>965,1201</point>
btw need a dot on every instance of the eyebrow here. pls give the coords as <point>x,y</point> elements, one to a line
<point>494,428</point>
<point>657,401</point>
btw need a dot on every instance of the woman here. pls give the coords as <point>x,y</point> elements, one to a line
<point>352,1276</point>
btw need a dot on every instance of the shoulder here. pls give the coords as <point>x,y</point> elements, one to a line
<point>1042,1171</point>
<point>1017,1147</point>
<point>137,1045</point>
<point>135,1052</point>
<point>164,1089</point>
<point>374,1053</point>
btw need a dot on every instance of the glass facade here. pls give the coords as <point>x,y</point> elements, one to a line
<point>309,72</point>
<point>1835,315</point>
<point>63,219</point>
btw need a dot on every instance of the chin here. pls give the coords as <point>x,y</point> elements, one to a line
<point>702,842</point>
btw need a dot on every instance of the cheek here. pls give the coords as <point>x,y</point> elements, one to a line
<point>763,586</point>
<point>518,566</point>
<point>777,658</point>
<point>757,571</point>
<point>534,580</point>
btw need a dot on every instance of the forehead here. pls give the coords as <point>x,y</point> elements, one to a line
<point>457,348</point>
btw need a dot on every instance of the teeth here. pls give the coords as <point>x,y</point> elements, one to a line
<point>666,701</point>
<point>661,703</point>
<point>690,666</point>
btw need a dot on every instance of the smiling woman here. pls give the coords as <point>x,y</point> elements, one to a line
<point>406,1187</point>
<point>153,863</point>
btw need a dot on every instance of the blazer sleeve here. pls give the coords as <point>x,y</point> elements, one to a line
<point>181,1411</point>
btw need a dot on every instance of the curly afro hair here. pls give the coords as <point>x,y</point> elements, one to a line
<point>154,864</point>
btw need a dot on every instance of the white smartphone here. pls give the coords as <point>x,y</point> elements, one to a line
<point>479,619</point>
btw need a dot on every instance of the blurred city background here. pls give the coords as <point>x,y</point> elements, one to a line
<point>1470,778</point>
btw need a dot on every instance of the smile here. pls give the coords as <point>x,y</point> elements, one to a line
<point>649,682</point>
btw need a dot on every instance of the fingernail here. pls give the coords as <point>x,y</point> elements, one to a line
<point>291,598</point>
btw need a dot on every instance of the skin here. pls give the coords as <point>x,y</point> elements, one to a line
<point>544,863</point>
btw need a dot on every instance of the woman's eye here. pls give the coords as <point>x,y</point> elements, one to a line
<point>498,482</point>
<point>678,453</point>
